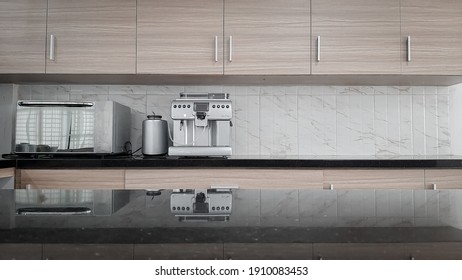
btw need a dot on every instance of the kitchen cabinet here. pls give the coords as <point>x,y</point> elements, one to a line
<point>22,33</point>
<point>435,37</point>
<point>179,251</point>
<point>374,179</point>
<point>443,178</point>
<point>180,37</point>
<point>20,251</point>
<point>204,178</point>
<point>91,37</point>
<point>87,252</point>
<point>355,37</point>
<point>267,37</point>
<point>72,179</point>
<point>435,251</point>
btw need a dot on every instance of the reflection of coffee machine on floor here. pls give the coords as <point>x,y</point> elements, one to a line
<point>201,125</point>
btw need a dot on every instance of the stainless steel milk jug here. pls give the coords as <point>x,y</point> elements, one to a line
<point>155,136</point>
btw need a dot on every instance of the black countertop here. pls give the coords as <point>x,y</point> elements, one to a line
<point>243,162</point>
<point>233,235</point>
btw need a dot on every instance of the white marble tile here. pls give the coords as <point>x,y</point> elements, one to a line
<point>407,203</point>
<point>90,89</point>
<point>418,124</point>
<point>201,89</point>
<point>278,125</point>
<point>418,90</point>
<point>380,125</point>
<point>431,125</point>
<point>317,203</point>
<point>88,97</point>
<point>442,90</point>
<point>311,139</point>
<point>444,134</point>
<point>279,207</point>
<point>160,105</point>
<point>444,203</point>
<point>329,125</point>
<point>388,203</point>
<point>405,90</point>
<point>432,202</point>
<point>44,92</point>
<point>246,203</point>
<point>126,89</point>
<point>420,204</point>
<point>246,124</point>
<point>430,90</point>
<point>405,125</point>
<point>394,203</point>
<point>24,92</point>
<point>305,90</point>
<point>393,120</point>
<point>272,90</point>
<point>165,90</point>
<point>378,90</point>
<point>343,135</point>
<point>267,116</point>
<point>356,203</point>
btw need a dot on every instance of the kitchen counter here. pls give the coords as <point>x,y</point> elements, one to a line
<point>5,163</point>
<point>233,162</point>
<point>232,235</point>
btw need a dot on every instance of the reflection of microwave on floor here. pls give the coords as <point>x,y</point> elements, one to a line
<point>71,127</point>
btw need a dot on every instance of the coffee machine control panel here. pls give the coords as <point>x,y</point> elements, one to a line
<point>212,109</point>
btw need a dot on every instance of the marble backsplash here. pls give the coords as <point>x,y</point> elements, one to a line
<point>298,120</point>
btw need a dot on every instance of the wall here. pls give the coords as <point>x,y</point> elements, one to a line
<point>455,99</point>
<point>300,120</point>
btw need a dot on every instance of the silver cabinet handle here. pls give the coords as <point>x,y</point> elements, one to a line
<point>230,48</point>
<point>409,48</point>
<point>52,47</point>
<point>216,48</point>
<point>318,58</point>
<point>23,103</point>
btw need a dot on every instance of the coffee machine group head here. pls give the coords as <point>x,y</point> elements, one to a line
<point>201,125</point>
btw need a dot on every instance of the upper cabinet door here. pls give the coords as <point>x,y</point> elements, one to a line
<point>434,30</point>
<point>267,37</point>
<point>180,37</point>
<point>355,37</point>
<point>22,36</point>
<point>91,36</point>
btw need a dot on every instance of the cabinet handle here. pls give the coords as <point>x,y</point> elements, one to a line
<point>216,48</point>
<point>318,58</point>
<point>52,47</point>
<point>230,48</point>
<point>409,48</point>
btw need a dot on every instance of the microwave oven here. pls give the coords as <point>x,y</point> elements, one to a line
<point>50,127</point>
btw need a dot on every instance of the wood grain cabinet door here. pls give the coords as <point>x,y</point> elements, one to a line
<point>180,37</point>
<point>22,36</point>
<point>91,37</point>
<point>267,37</point>
<point>355,37</point>
<point>435,32</point>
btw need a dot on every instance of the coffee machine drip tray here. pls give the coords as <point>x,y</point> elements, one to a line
<point>191,151</point>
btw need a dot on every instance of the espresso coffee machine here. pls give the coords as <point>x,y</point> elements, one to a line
<point>201,125</point>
